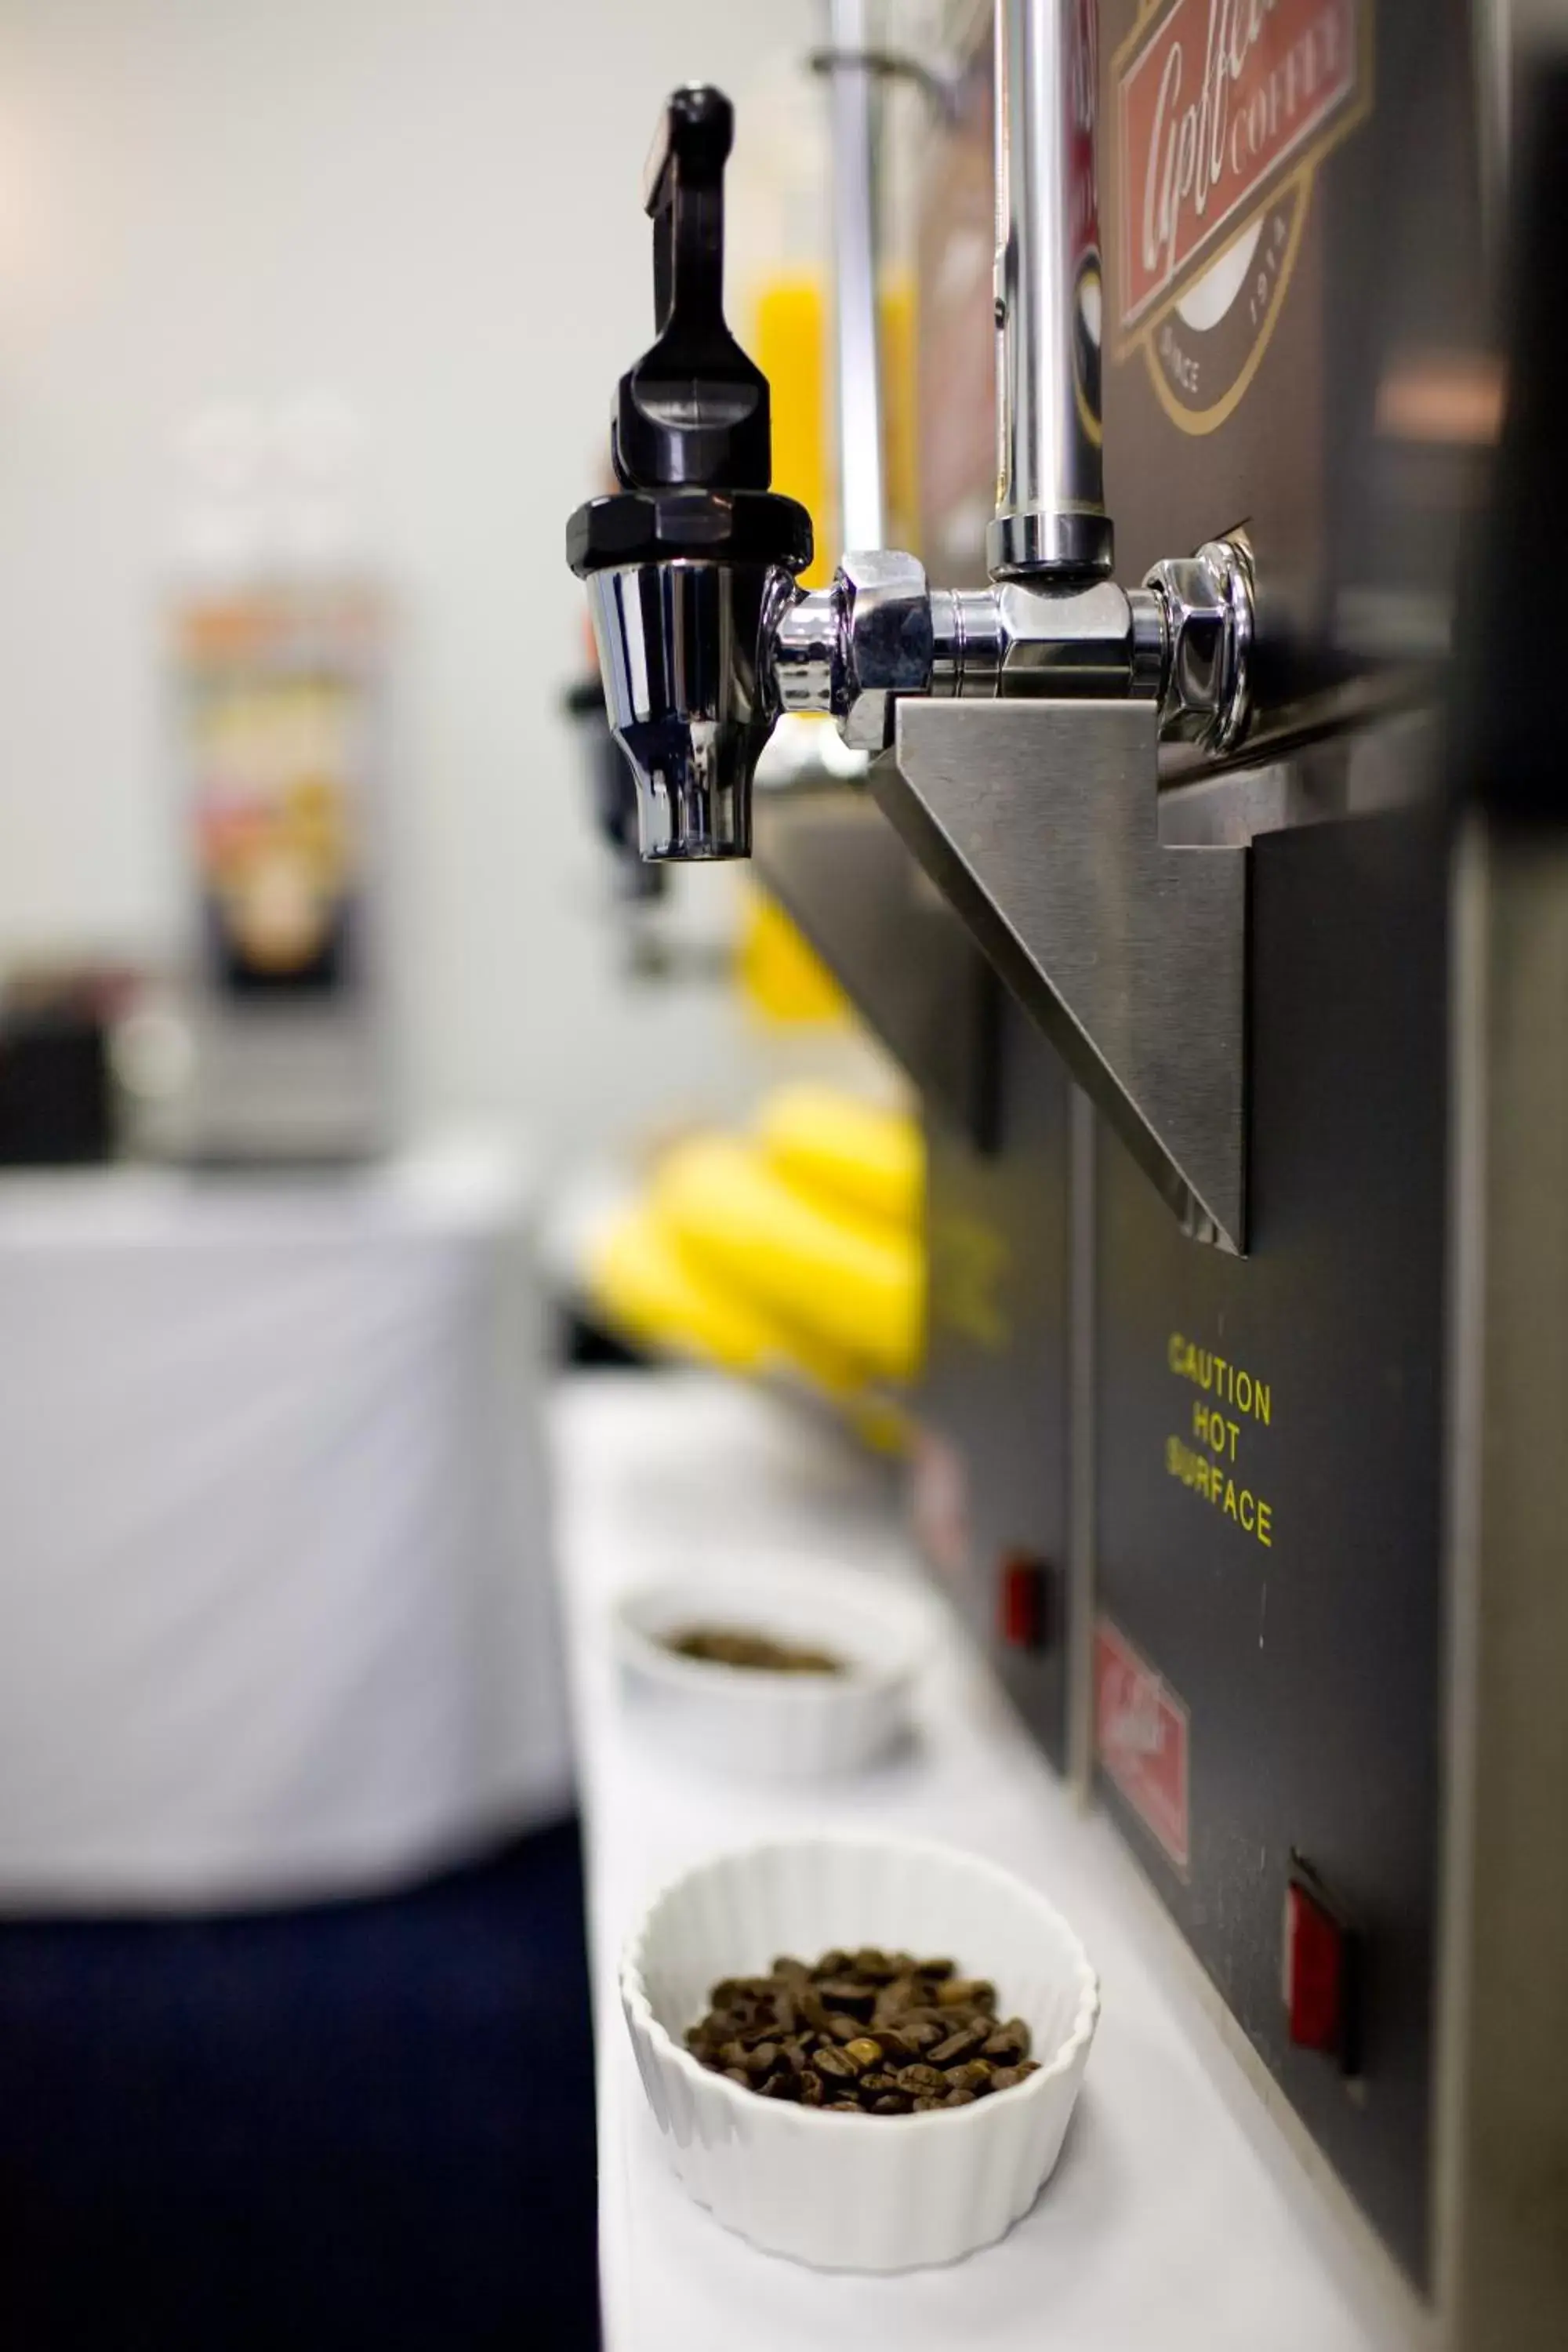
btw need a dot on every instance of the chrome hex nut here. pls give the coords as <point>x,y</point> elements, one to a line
<point>887,639</point>
<point>1208,610</point>
<point>1066,641</point>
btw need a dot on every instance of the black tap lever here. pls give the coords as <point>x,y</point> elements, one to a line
<point>688,561</point>
<point>690,435</point>
<point>693,412</point>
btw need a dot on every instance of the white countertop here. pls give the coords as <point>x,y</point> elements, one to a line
<point>1176,2217</point>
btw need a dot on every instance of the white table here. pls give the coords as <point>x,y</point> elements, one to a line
<point>276,1618</point>
<point>1176,2217</point>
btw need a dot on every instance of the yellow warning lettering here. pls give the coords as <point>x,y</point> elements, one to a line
<point>1213,1430</point>
<point>1227,1383</point>
<point>1237,1501</point>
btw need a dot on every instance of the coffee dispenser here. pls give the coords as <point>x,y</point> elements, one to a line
<point>1209,881</point>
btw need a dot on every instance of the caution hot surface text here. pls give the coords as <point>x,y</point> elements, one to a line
<point>1210,1459</point>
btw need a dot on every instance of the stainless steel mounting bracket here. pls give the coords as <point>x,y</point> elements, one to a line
<point>1039,822</point>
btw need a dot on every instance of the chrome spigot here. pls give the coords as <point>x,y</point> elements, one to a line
<point>704,637</point>
<point>689,562</point>
<point>1037,818</point>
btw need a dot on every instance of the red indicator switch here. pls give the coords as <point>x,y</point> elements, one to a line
<point>1320,1973</point>
<point>1022,1611</point>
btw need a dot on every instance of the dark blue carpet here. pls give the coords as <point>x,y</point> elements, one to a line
<point>365,2124</point>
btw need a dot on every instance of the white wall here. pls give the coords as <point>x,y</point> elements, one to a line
<point>432,207</point>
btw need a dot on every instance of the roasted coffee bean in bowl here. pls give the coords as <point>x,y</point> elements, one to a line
<point>788,1669</point>
<point>861,2052</point>
<point>866,2033</point>
<point>737,1645</point>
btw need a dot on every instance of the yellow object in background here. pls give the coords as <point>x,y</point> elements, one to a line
<point>796,1254</point>
<point>896,312</point>
<point>790,343</point>
<point>659,1296</point>
<point>655,1297</point>
<point>782,976</point>
<point>858,1284</point>
<point>869,1158</point>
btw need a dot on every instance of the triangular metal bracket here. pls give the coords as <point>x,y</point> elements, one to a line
<point>1038,821</point>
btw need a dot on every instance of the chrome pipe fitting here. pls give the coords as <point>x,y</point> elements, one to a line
<point>880,632</point>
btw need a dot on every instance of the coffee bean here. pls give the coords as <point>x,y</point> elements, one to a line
<point>876,1966</point>
<point>1005,2045</point>
<point>761,2059</point>
<point>972,1992</point>
<point>959,2099</point>
<point>937,1970</point>
<point>844,1993</point>
<point>862,2053</point>
<point>924,2105</point>
<point>738,2074</point>
<point>959,2046</point>
<point>892,2103</point>
<point>842,2027</point>
<point>834,2066</point>
<point>893,1999</point>
<point>811,2091</point>
<point>978,2076</point>
<point>843,2107</point>
<point>924,2078</point>
<point>877,2084</point>
<point>831,1964</point>
<point>892,2044</point>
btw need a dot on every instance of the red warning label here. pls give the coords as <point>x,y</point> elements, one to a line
<point>1141,1733</point>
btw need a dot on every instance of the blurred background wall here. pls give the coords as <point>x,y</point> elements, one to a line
<point>430,208</point>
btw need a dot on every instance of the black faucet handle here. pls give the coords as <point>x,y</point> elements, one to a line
<point>694,413</point>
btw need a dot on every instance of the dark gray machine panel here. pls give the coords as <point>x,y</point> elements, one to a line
<point>1281,1604</point>
<point>994,1401</point>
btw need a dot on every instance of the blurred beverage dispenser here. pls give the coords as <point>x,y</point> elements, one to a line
<point>279,649</point>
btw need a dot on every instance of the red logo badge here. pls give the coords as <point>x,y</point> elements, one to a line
<point>1223,110</point>
<point>1141,1736</point>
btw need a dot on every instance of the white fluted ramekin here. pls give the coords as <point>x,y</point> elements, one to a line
<point>859,2192</point>
<point>776,1726</point>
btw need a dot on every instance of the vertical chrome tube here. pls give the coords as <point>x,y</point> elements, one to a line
<point>1050,493</point>
<point>861,494</point>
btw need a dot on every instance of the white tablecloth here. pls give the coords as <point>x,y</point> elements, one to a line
<point>275,1611</point>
